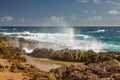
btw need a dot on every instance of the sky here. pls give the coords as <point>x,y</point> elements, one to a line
<point>60,12</point>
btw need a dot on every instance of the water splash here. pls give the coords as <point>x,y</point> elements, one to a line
<point>70,32</point>
<point>13,41</point>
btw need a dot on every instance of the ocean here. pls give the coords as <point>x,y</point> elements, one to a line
<point>84,38</point>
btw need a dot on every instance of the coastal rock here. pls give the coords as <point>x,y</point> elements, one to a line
<point>105,69</point>
<point>43,76</point>
<point>3,41</point>
<point>44,52</point>
<point>32,44</point>
<point>15,35</point>
<point>116,77</point>
<point>74,72</point>
<point>118,57</point>
<point>28,43</point>
<point>93,71</point>
<point>13,41</point>
<point>75,55</point>
<point>99,66</point>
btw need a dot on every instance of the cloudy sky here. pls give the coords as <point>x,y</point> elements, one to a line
<point>60,12</point>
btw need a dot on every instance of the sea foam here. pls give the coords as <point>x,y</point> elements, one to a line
<point>85,42</point>
<point>101,30</point>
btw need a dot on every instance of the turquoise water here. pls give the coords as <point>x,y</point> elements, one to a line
<point>84,38</point>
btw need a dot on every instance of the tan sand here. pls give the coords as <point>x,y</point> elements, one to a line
<point>6,75</point>
<point>42,66</point>
<point>46,64</point>
<point>4,62</point>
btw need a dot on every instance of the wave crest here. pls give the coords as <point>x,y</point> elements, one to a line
<point>76,41</point>
<point>101,30</point>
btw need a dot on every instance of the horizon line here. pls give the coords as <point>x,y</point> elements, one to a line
<point>59,26</point>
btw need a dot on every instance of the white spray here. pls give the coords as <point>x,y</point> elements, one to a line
<point>13,41</point>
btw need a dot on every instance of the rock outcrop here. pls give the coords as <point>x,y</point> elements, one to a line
<point>75,55</point>
<point>98,66</point>
<point>95,71</point>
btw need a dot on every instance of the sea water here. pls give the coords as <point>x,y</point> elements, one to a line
<point>95,38</point>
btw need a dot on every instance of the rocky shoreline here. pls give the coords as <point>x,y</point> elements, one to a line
<point>97,66</point>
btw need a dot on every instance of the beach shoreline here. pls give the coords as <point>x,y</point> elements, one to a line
<point>51,64</point>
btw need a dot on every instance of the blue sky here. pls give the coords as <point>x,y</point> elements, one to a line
<point>60,12</point>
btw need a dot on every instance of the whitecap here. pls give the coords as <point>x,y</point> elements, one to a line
<point>84,36</point>
<point>101,30</point>
<point>89,44</point>
<point>67,40</point>
<point>27,50</point>
<point>26,32</point>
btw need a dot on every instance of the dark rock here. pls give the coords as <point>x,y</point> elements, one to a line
<point>44,52</point>
<point>116,77</point>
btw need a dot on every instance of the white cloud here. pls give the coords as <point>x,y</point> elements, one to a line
<point>56,21</point>
<point>109,1</point>
<point>112,2</point>
<point>99,21</point>
<point>94,12</point>
<point>114,12</point>
<point>84,1</point>
<point>22,20</point>
<point>6,19</point>
<point>85,12</point>
<point>62,21</point>
<point>72,18</point>
<point>9,20</point>
<point>96,1</point>
<point>95,18</point>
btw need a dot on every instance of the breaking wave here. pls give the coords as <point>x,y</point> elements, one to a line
<point>101,30</point>
<point>74,41</point>
<point>83,38</point>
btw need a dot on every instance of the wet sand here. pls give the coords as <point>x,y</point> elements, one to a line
<point>46,64</point>
<point>42,66</point>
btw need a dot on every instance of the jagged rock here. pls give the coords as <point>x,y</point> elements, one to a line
<point>44,52</point>
<point>3,41</point>
<point>43,76</point>
<point>105,69</point>
<point>73,72</point>
<point>28,43</point>
<point>13,68</point>
<point>116,77</point>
